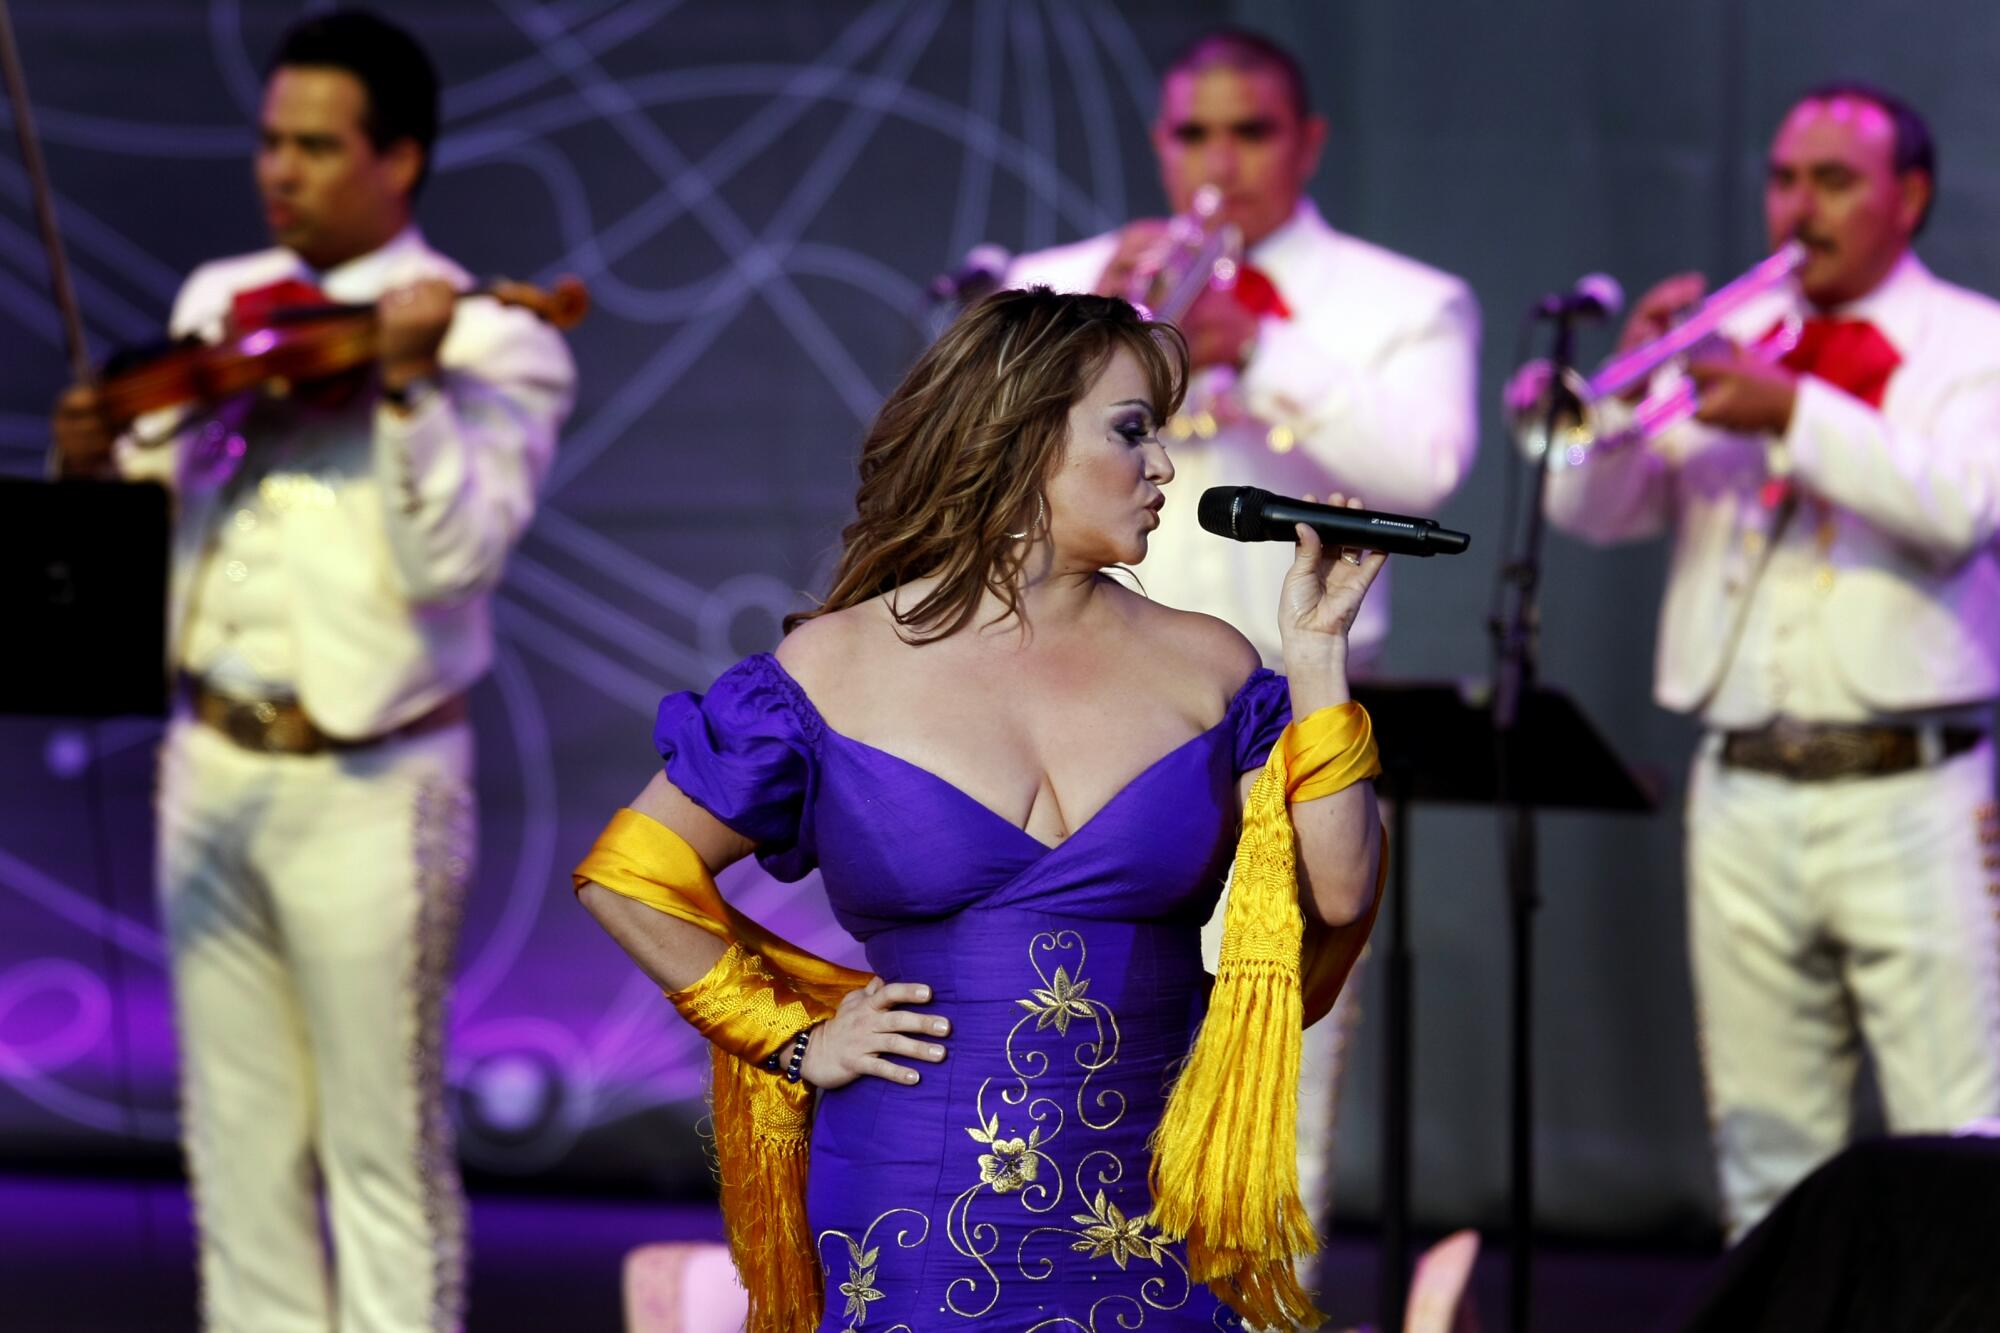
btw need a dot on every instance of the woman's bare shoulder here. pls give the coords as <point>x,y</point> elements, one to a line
<point>1204,644</point>
<point>832,647</point>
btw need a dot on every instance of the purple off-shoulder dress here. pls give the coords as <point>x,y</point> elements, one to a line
<point>1008,1189</point>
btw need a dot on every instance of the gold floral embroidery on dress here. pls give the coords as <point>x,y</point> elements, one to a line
<point>1058,1001</point>
<point>864,1267</point>
<point>1020,1165</point>
<point>1107,1232</point>
<point>860,1288</point>
<point>1013,1166</point>
<point>1013,1162</point>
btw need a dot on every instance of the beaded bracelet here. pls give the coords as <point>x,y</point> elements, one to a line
<point>798,1055</point>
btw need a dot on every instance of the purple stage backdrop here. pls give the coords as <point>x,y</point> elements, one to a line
<point>757,194</point>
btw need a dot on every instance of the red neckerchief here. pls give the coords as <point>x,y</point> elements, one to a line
<point>254,308</point>
<point>1256,293</point>
<point>1851,355</point>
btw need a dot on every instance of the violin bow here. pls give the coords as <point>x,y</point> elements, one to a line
<point>45,208</point>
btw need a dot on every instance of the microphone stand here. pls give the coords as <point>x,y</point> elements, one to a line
<point>1514,628</point>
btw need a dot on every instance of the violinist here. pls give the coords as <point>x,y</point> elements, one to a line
<point>335,547</point>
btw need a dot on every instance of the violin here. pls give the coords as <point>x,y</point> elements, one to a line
<point>293,346</point>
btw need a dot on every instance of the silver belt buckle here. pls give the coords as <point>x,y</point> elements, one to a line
<point>1930,744</point>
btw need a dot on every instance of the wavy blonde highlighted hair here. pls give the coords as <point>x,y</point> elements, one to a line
<point>957,457</point>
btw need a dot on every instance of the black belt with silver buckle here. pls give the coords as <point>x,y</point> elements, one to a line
<point>1822,751</point>
<point>280,726</point>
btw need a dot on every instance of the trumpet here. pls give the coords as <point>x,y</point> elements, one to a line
<point>1200,251</point>
<point>1579,431</point>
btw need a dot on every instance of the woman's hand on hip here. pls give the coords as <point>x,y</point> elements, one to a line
<point>869,1026</point>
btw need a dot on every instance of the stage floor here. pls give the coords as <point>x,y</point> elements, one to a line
<point>107,1256</point>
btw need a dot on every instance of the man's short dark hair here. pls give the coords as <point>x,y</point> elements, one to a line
<point>1913,150</point>
<point>1240,49</point>
<point>401,82</point>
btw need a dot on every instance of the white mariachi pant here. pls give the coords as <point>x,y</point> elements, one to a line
<point>311,906</point>
<point>1823,915</point>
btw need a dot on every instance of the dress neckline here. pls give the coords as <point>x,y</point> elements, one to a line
<point>805,702</point>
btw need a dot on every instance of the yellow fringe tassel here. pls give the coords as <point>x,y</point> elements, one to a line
<point>762,1126</point>
<point>1225,1168</point>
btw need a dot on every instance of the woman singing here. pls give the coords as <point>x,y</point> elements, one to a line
<point>1023,785</point>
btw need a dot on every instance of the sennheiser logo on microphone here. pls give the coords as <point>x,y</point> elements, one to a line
<point>1379,522</point>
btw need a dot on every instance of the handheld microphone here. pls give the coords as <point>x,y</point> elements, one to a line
<point>1593,296</point>
<point>1247,514</point>
<point>982,271</point>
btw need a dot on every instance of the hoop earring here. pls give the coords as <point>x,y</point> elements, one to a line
<point>1041,515</point>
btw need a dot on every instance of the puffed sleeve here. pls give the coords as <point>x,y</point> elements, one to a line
<point>1260,712</point>
<point>748,753</point>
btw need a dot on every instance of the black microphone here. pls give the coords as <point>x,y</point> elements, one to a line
<point>1594,296</point>
<point>1247,514</point>
<point>981,272</point>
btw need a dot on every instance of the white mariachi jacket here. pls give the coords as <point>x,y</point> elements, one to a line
<point>1368,388</point>
<point>1909,584</point>
<point>393,529</point>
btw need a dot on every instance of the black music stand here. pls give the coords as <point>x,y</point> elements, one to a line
<point>1437,744</point>
<point>83,596</point>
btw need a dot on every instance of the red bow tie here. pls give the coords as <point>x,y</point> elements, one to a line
<point>1256,293</point>
<point>254,308</point>
<point>1849,354</point>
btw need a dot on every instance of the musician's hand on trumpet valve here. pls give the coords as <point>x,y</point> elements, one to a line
<point>1663,305</point>
<point>1218,328</point>
<point>1220,331</point>
<point>1735,389</point>
<point>1142,248</point>
<point>1738,390</point>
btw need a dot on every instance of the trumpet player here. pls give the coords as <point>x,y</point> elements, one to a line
<point>1331,365</point>
<point>1832,615</point>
